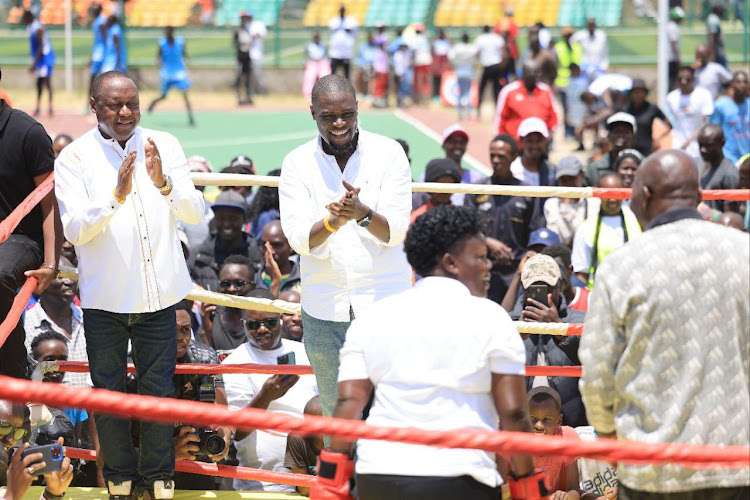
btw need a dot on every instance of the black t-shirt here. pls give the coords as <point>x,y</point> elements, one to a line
<point>25,152</point>
<point>644,121</point>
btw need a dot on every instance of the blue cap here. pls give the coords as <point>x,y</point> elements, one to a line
<point>544,237</point>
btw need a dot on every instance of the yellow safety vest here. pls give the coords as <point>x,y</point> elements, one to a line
<point>605,240</point>
<point>564,58</point>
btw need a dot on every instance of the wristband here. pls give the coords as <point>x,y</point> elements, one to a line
<point>49,266</point>
<point>49,496</point>
<point>328,226</point>
<point>119,200</point>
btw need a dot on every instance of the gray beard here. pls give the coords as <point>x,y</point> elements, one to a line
<point>347,148</point>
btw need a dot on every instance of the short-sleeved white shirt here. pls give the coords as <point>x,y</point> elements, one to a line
<point>430,352</point>
<point>265,449</point>
<point>688,112</point>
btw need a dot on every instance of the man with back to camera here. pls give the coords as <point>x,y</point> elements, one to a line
<point>664,367</point>
<point>121,189</point>
<point>345,201</point>
<point>466,381</point>
<point>33,249</point>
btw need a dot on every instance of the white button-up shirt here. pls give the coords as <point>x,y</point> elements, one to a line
<point>352,267</point>
<point>129,256</point>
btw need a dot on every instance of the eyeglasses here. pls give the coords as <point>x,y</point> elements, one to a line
<point>18,432</point>
<point>236,283</point>
<point>254,324</point>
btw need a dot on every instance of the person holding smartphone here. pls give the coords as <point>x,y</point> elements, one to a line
<point>543,301</point>
<point>287,394</point>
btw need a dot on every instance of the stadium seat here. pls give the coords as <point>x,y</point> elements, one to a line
<point>575,12</point>
<point>263,10</point>
<point>320,12</point>
<point>397,12</point>
<point>467,13</point>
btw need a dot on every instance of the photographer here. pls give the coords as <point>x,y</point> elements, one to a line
<point>21,471</point>
<point>192,443</point>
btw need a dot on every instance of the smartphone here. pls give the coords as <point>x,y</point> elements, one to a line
<point>52,456</point>
<point>538,293</point>
<point>287,359</point>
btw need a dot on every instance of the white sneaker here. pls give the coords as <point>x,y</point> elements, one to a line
<point>119,490</point>
<point>163,490</point>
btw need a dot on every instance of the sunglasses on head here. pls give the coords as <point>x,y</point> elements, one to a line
<point>254,324</point>
<point>18,432</point>
<point>236,283</point>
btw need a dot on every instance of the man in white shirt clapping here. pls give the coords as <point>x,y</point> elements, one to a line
<point>345,200</point>
<point>121,190</point>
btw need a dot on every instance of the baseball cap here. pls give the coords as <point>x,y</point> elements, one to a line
<point>440,167</point>
<point>639,83</point>
<point>677,13</point>
<point>242,161</point>
<point>621,117</point>
<point>531,125</point>
<point>246,13</point>
<point>543,389</point>
<point>229,199</point>
<point>197,163</point>
<point>540,268</point>
<point>570,165</point>
<point>544,237</point>
<point>454,129</point>
<point>418,27</point>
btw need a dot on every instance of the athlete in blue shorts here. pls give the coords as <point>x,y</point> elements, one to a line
<point>115,56</point>
<point>172,70</point>
<point>99,27</point>
<point>43,58</point>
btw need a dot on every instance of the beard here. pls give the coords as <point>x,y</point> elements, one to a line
<point>344,149</point>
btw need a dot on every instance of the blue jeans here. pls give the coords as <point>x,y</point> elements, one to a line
<point>154,340</point>
<point>464,96</point>
<point>323,340</point>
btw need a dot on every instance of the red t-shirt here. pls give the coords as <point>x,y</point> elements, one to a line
<point>421,210</point>
<point>581,300</point>
<point>554,465</point>
<point>515,104</point>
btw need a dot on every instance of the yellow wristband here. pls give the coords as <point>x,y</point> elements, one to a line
<point>119,200</point>
<point>328,226</point>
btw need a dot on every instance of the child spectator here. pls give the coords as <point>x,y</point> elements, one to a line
<point>577,85</point>
<point>403,72</point>
<point>442,170</point>
<point>317,65</point>
<point>546,419</point>
<point>302,452</point>
<point>380,80</point>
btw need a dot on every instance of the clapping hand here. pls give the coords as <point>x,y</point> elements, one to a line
<point>350,207</point>
<point>153,163</point>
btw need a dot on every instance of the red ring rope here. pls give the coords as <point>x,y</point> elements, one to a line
<point>16,310</point>
<point>8,224</point>
<point>187,368</point>
<point>170,410</point>
<point>218,470</point>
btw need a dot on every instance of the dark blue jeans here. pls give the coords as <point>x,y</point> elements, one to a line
<point>154,340</point>
<point>18,254</point>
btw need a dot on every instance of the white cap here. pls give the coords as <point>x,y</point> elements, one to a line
<point>621,117</point>
<point>531,125</point>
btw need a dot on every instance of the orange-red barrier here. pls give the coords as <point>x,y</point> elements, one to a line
<point>708,194</point>
<point>170,410</point>
<point>16,310</point>
<point>218,470</point>
<point>8,224</point>
<point>188,368</point>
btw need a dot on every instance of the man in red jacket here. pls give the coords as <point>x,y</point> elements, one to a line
<point>523,99</point>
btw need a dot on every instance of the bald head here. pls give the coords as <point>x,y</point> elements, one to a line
<point>731,219</point>
<point>666,180</point>
<point>108,78</point>
<point>711,143</point>
<point>702,53</point>
<point>331,85</point>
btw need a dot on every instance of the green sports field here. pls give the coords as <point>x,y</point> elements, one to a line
<point>267,137</point>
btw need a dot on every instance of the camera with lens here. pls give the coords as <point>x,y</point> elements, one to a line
<point>202,388</point>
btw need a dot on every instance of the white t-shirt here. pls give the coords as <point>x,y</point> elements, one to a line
<point>401,62</point>
<point>343,37</point>
<point>595,475</point>
<point>711,77</point>
<point>673,35</point>
<point>595,48</point>
<point>490,47</point>
<point>688,112</point>
<point>265,449</point>
<point>258,31</point>
<point>431,368</point>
